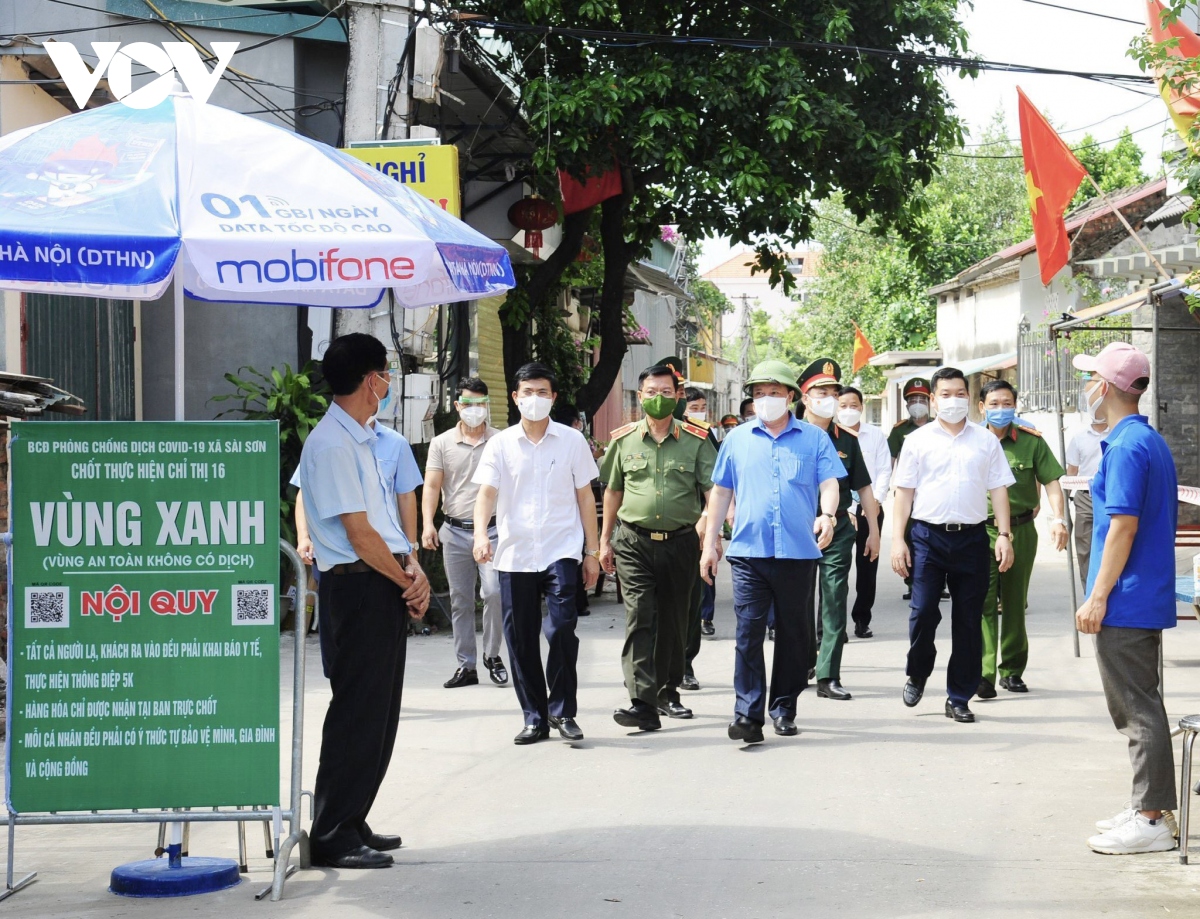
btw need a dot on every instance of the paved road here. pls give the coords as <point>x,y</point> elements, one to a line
<point>875,810</point>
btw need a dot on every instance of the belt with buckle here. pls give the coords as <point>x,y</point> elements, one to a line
<point>358,566</point>
<point>1015,521</point>
<point>949,527</point>
<point>460,524</point>
<point>657,535</point>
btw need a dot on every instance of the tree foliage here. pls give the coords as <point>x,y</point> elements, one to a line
<point>721,141</point>
<point>1118,166</point>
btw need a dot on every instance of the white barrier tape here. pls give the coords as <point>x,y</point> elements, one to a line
<point>1188,494</point>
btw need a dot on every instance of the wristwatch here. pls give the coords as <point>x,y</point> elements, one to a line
<point>594,553</point>
<point>1056,520</point>
<point>1005,535</point>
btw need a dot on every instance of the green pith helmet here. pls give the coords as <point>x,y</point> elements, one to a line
<point>771,372</point>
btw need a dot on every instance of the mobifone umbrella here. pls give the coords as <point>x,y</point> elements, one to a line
<point>117,201</point>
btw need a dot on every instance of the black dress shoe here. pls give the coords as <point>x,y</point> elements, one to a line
<point>639,715</point>
<point>359,857</point>
<point>1013,684</point>
<point>913,690</point>
<point>584,612</point>
<point>532,733</point>
<point>959,712</point>
<point>812,674</point>
<point>832,689</point>
<point>463,676</point>
<point>689,682</point>
<point>743,729</point>
<point>863,633</point>
<point>675,710</point>
<point>706,627</point>
<point>567,728</point>
<point>785,726</point>
<point>382,843</point>
<point>495,669</point>
<point>986,690</point>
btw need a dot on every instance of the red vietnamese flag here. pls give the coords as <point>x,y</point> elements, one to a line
<point>1052,175</point>
<point>1184,108</point>
<point>863,351</point>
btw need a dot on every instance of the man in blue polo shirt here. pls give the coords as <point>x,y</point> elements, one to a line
<point>1131,591</point>
<point>777,470</point>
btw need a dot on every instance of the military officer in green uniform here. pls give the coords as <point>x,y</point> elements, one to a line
<point>916,401</point>
<point>1034,467</point>
<point>657,474</point>
<point>819,387</point>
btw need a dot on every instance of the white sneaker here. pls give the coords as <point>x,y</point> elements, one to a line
<point>1134,836</point>
<point>1113,822</point>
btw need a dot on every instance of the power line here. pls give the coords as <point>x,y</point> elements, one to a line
<point>1015,140</point>
<point>640,39</point>
<point>1072,9</point>
<point>1017,156</point>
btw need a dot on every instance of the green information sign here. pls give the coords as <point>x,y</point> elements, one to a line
<point>144,648</point>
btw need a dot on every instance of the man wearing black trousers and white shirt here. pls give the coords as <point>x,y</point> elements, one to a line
<point>943,478</point>
<point>536,478</point>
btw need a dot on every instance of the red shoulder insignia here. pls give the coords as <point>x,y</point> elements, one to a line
<point>623,430</point>
<point>694,430</point>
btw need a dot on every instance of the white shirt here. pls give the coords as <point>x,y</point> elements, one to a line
<point>952,473</point>
<point>537,513</point>
<point>878,458</point>
<point>1084,450</point>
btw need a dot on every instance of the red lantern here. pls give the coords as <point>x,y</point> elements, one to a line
<point>533,214</point>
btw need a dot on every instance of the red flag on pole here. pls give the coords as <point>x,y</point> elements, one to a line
<point>863,351</point>
<point>1052,175</point>
<point>1184,107</point>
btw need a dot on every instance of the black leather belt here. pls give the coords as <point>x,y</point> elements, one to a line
<point>1015,521</point>
<point>358,566</point>
<point>950,527</point>
<point>657,535</point>
<point>467,524</point>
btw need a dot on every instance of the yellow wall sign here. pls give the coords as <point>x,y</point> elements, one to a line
<point>431,170</point>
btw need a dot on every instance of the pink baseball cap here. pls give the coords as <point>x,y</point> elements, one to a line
<point>1120,363</point>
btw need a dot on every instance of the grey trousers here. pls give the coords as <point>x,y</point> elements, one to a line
<point>461,569</point>
<point>1082,530</point>
<point>1128,660</point>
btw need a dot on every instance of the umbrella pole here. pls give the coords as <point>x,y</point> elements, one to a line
<point>179,361</point>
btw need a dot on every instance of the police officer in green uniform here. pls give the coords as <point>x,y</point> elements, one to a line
<point>657,473</point>
<point>1034,467</point>
<point>819,387</point>
<point>916,400</point>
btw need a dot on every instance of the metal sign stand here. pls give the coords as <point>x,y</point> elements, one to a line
<point>297,837</point>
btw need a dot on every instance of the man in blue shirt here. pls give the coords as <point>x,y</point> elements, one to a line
<point>1131,591</point>
<point>364,555</point>
<point>777,470</point>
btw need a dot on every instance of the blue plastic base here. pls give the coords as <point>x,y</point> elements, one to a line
<point>156,878</point>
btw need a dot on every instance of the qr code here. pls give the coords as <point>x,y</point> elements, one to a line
<point>47,607</point>
<point>254,604</point>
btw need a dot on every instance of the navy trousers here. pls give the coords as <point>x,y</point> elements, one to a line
<point>959,561</point>
<point>760,584</point>
<point>520,597</point>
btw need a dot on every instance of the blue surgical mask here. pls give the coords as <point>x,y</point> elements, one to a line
<point>1000,417</point>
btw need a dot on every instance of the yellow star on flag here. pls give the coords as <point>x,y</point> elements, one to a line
<point>1032,191</point>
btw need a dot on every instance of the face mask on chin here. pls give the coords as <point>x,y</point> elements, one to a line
<point>534,408</point>
<point>952,409</point>
<point>770,408</point>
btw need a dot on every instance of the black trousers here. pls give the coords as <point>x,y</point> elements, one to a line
<point>960,561</point>
<point>368,622</point>
<point>760,585</point>
<point>520,596</point>
<point>865,573</point>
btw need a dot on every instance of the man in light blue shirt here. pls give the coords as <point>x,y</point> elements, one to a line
<point>361,550</point>
<point>779,472</point>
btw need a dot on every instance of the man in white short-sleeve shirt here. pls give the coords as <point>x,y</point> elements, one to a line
<point>1083,459</point>
<point>536,478</point>
<point>943,477</point>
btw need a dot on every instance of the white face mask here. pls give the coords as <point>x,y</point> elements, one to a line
<point>952,409</point>
<point>770,408</point>
<point>1092,407</point>
<point>918,410</point>
<point>534,408</point>
<point>473,415</point>
<point>849,417</point>
<point>824,407</point>
<point>696,416</point>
